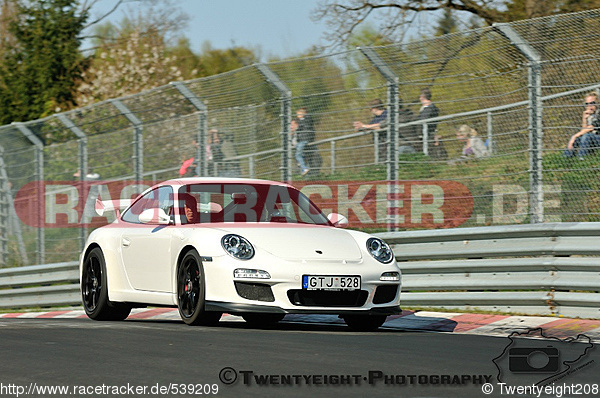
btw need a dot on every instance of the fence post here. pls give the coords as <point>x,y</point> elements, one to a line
<point>536,195</point>
<point>376,146</point>
<point>490,131</point>
<point>425,128</point>
<point>202,164</point>
<point>332,153</point>
<point>138,139</point>
<point>8,216</point>
<point>39,175</point>
<point>83,163</point>
<point>286,119</point>
<point>392,134</point>
<point>5,211</point>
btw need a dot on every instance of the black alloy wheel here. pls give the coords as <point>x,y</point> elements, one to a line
<point>91,285</point>
<point>191,292</point>
<point>94,290</point>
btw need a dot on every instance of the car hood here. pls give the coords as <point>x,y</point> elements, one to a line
<point>302,243</point>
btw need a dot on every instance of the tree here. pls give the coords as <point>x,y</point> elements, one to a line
<point>188,60</point>
<point>446,24</point>
<point>137,61</point>
<point>7,14</point>
<point>344,16</point>
<point>134,55</point>
<point>144,51</point>
<point>366,36</point>
<point>41,68</point>
<point>214,61</point>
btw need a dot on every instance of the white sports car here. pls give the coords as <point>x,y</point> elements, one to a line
<point>254,248</point>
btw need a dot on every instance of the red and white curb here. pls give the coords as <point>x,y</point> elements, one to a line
<point>477,324</point>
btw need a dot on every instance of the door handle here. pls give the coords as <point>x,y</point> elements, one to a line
<point>125,242</point>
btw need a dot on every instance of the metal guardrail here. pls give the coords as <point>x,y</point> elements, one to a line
<point>40,285</point>
<point>530,269</point>
<point>551,269</point>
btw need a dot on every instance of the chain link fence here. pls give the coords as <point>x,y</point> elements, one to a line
<point>509,97</point>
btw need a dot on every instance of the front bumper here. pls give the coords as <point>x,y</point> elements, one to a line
<point>283,292</point>
<point>235,308</point>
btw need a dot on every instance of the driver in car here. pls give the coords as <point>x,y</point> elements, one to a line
<point>190,213</point>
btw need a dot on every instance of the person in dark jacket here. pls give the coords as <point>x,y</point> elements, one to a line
<point>378,122</point>
<point>305,133</point>
<point>429,110</point>
<point>409,140</point>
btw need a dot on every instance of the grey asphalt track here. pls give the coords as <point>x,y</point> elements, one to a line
<point>77,352</point>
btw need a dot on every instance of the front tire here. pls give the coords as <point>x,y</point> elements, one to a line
<point>191,292</point>
<point>94,290</point>
<point>364,323</point>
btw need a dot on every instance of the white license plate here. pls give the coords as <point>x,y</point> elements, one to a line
<point>329,282</point>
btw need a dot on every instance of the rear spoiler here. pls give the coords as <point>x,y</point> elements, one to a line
<point>111,205</point>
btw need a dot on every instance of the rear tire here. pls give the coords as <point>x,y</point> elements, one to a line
<point>191,292</point>
<point>262,319</point>
<point>94,290</point>
<point>364,323</point>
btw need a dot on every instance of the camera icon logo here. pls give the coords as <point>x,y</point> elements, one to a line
<point>533,360</point>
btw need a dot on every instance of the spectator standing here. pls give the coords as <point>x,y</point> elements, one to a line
<point>213,151</point>
<point>429,110</point>
<point>409,139</point>
<point>231,168</point>
<point>304,133</point>
<point>378,122</point>
<point>588,138</point>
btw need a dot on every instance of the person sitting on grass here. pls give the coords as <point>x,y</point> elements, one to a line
<point>473,146</point>
<point>588,138</point>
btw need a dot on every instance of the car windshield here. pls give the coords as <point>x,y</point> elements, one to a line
<point>213,203</point>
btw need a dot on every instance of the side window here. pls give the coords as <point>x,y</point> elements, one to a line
<point>290,211</point>
<point>161,198</point>
<point>165,200</point>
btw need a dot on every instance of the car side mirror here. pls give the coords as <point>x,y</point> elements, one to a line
<point>155,216</point>
<point>338,220</point>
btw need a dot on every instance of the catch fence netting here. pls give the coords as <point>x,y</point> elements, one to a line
<point>508,99</point>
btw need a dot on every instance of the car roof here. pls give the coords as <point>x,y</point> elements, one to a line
<point>212,180</point>
<point>208,180</point>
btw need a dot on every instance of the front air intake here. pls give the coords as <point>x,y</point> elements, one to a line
<point>385,294</point>
<point>254,291</point>
<point>327,298</point>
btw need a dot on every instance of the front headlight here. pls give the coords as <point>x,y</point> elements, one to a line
<point>380,250</point>
<point>390,277</point>
<point>251,273</point>
<point>237,246</point>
